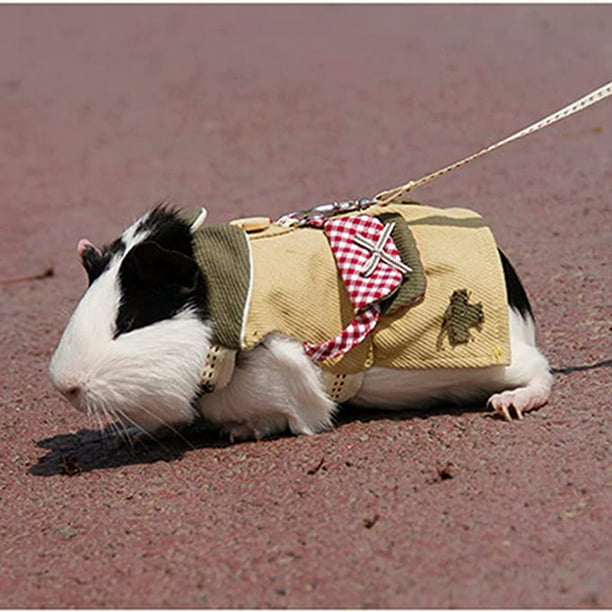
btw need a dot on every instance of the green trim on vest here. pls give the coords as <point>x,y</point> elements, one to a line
<point>413,286</point>
<point>222,252</point>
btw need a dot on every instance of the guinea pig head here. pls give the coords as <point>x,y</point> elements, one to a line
<point>134,347</point>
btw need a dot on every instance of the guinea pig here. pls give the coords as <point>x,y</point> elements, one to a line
<point>134,349</point>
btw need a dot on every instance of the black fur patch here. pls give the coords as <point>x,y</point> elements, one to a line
<point>159,277</point>
<point>517,297</point>
<point>95,263</point>
<point>164,227</point>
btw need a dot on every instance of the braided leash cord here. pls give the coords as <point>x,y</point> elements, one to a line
<point>386,197</point>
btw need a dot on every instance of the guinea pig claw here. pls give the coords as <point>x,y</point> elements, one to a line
<point>501,403</point>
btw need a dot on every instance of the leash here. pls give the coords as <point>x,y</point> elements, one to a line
<point>388,196</point>
<point>220,361</point>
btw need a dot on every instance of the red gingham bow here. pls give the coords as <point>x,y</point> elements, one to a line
<point>370,266</point>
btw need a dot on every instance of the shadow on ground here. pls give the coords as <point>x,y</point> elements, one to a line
<point>89,449</point>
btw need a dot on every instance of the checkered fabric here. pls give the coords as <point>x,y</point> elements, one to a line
<point>368,278</point>
<point>352,259</point>
<point>355,333</point>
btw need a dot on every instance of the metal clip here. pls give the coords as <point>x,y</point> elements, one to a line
<point>323,211</point>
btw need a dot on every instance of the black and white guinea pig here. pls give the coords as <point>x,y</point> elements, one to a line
<point>134,347</point>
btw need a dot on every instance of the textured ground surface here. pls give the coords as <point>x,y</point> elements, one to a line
<point>106,110</point>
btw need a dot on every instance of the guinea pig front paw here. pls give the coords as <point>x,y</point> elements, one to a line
<point>238,432</point>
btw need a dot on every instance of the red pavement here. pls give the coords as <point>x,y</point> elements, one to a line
<point>259,110</point>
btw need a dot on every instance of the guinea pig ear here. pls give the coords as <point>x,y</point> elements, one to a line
<point>149,264</point>
<point>91,258</point>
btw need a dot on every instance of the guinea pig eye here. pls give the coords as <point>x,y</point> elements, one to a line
<point>125,323</point>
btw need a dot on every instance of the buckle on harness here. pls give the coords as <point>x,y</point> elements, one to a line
<point>316,214</point>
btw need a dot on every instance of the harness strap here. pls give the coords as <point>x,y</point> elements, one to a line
<point>218,368</point>
<point>220,362</point>
<point>342,387</point>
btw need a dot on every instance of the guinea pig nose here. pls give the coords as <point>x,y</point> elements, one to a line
<point>72,392</point>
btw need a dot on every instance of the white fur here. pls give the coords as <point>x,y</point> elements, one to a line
<point>279,387</point>
<point>146,378</point>
<point>275,388</point>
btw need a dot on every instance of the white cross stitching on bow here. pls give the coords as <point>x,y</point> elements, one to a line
<point>378,252</point>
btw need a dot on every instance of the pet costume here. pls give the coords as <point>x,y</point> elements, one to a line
<point>399,286</point>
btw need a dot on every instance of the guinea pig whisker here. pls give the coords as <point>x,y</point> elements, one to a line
<point>141,431</point>
<point>112,430</point>
<point>119,431</point>
<point>95,414</point>
<point>104,430</point>
<point>167,425</point>
<point>115,430</point>
<point>144,432</point>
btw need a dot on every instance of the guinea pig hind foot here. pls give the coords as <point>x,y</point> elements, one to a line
<point>523,399</point>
